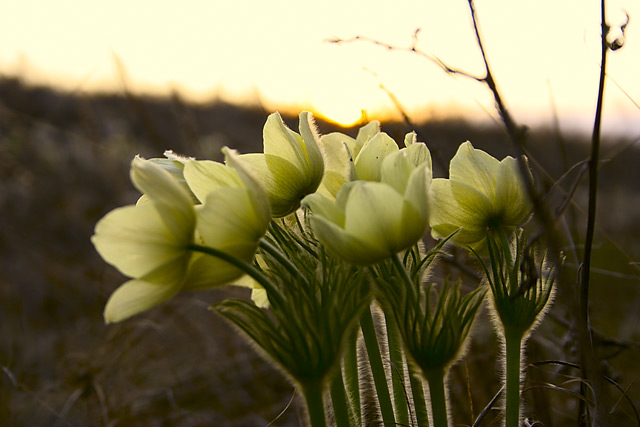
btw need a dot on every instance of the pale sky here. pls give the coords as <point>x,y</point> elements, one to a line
<point>540,50</point>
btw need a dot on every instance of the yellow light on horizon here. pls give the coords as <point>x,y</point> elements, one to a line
<point>279,52</point>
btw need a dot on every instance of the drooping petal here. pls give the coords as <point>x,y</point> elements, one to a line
<point>136,240</point>
<point>136,296</point>
<point>476,169</point>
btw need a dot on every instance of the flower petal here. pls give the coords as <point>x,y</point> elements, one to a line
<point>204,176</point>
<point>207,272</point>
<point>136,296</point>
<point>374,214</point>
<point>284,183</point>
<point>511,193</point>
<point>365,133</point>
<point>281,141</point>
<point>228,217</point>
<point>322,206</point>
<point>348,247</point>
<point>475,206</point>
<point>314,169</point>
<point>368,164</point>
<point>257,192</point>
<point>136,240</point>
<point>173,203</point>
<point>445,209</point>
<point>476,169</point>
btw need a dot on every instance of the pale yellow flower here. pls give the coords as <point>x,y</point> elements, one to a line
<point>147,242</point>
<point>370,221</point>
<point>481,193</point>
<point>150,242</point>
<point>291,166</point>
<point>339,151</point>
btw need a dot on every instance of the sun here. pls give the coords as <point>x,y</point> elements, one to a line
<point>345,114</point>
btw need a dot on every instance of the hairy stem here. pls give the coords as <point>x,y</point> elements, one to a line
<point>419,401</point>
<point>312,392</point>
<point>377,368</point>
<point>513,344</point>
<point>352,377</point>
<point>438,397</point>
<point>339,400</point>
<point>397,371</point>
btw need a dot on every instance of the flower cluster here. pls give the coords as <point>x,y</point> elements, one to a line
<point>321,227</point>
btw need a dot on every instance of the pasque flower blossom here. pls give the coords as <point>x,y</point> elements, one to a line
<point>150,242</point>
<point>369,220</point>
<point>481,193</point>
<point>291,166</point>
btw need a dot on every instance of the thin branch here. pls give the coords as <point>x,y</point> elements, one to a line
<point>590,364</point>
<point>412,49</point>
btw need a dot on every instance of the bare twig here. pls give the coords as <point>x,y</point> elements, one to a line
<point>590,366</point>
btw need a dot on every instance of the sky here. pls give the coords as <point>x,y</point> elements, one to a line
<point>545,55</point>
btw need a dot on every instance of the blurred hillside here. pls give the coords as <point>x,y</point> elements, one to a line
<point>64,161</point>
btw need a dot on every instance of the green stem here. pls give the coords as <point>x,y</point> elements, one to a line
<point>419,401</point>
<point>249,269</point>
<point>312,392</point>
<point>352,378</point>
<point>339,400</point>
<point>513,343</point>
<point>397,371</point>
<point>438,397</point>
<point>377,368</point>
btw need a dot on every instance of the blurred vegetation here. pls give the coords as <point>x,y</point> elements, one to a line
<point>64,161</point>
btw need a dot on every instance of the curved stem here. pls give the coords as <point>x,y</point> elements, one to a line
<point>513,344</point>
<point>438,397</point>
<point>312,392</point>
<point>377,368</point>
<point>249,269</point>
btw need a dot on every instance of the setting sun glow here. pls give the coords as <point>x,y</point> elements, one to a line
<point>543,53</point>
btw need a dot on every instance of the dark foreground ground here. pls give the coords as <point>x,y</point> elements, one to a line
<point>64,162</point>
